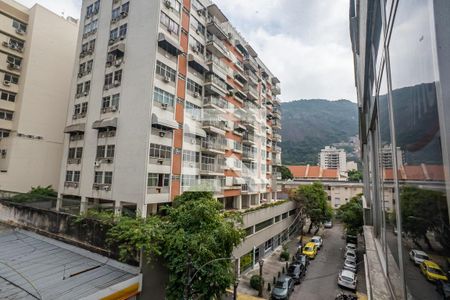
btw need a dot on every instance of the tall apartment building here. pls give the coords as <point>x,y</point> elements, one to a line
<point>386,156</point>
<point>168,97</point>
<point>37,52</point>
<point>333,158</point>
<point>402,65</point>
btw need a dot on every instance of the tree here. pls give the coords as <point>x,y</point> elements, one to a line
<point>285,173</point>
<point>355,175</point>
<point>425,211</point>
<point>351,214</point>
<point>36,194</point>
<point>312,200</point>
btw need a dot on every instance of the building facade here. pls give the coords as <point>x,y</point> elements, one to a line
<point>402,65</point>
<point>37,53</point>
<point>333,158</point>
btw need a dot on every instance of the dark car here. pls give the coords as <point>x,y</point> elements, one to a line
<point>283,288</point>
<point>443,287</point>
<point>301,259</point>
<point>296,272</point>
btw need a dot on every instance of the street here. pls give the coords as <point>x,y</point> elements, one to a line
<point>321,279</point>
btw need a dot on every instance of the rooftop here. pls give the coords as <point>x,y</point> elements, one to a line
<point>36,267</point>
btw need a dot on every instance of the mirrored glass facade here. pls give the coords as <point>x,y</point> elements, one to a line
<point>402,65</point>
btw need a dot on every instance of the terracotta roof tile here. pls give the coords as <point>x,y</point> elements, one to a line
<point>330,173</point>
<point>435,172</point>
<point>298,171</point>
<point>314,171</point>
<point>414,173</point>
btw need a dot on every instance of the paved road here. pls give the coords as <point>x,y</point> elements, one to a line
<point>320,282</point>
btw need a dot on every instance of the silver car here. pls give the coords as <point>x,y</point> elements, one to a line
<point>350,255</point>
<point>347,279</point>
<point>350,265</point>
<point>317,240</point>
<point>418,256</point>
<point>350,246</point>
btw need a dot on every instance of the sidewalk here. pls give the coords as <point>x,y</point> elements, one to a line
<point>272,265</point>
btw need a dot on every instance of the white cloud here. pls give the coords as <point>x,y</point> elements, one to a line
<point>305,43</point>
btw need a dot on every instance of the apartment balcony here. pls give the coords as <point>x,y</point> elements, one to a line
<point>213,146</point>
<point>214,27</point>
<point>276,90</point>
<point>252,78</point>
<point>252,93</point>
<point>277,149</point>
<point>217,67</point>
<point>277,175</point>
<point>277,114</point>
<point>73,161</point>
<point>215,127</point>
<point>213,102</point>
<point>197,64</point>
<point>157,190</point>
<point>276,124</point>
<point>215,169</point>
<point>215,86</point>
<point>249,139</point>
<point>248,156</point>
<point>250,63</point>
<point>277,160</point>
<point>216,47</point>
<point>240,77</point>
<point>106,134</point>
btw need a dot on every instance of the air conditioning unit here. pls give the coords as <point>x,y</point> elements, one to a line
<point>197,31</point>
<point>6,83</point>
<point>19,32</point>
<point>124,14</point>
<point>164,106</point>
<point>162,134</point>
<point>166,79</point>
<point>80,74</point>
<point>104,109</point>
<point>167,4</point>
<point>116,82</point>
<point>194,49</point>
<point>160,161</point>
<point>113,108</point>
<point>97,164</point>
<point>85,94</point>
<point>196,95</point>
<point>122,37</point>
<point>75,185</point>
<point>106,187</point>
<point>112,41</point>
<point>118,62</point>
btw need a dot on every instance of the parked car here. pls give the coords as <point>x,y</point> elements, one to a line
<point>351,255</point>
<point>350,265</point>
<point>351,238</point>
<point>283,288</point>
<point>296,272</point>
<point>350,246</point>
<point>310,250</point>
<point>443,288</point>
<point>347,279</point>
<point>418,256</point>
<point>301,259</point>
<point>328,224</point>
<point>318,241</point>
<point>432,271</point>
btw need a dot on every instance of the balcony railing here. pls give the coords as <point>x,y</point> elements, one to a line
<point>211,168</point>
<point>212,79</point>
<point>214,144</point>
<point>215,101</point>
<point>248,137</point>
<point>157,190</point>
<point>215,46</point>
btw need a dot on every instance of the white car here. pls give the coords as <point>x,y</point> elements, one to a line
<point>317,240</point>
<point>350,246</point>
<point>350,255</point>
<point>418,256</point>
<point>347,279</point>
<point>328,224</point>
<point>350,265</point>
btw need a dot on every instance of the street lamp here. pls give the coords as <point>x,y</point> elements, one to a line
<point>261,282</point>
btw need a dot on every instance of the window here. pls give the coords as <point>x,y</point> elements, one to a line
<point>197,6</point>
<point>76,176</point>
<point>123,30</point>
<point>194,87</point>
<point>72,176</point>
<point>90,27</point>
<point>16,44</point>
<point>174,5</point>
<point>191,156</point>
<point>160,151</point>
<point>14,79</point>
<point>199,28</point>
<point>115,13</point>
<point>7,96</point>
<point>14,61</point>
<point>126,8</point>
<point>189,180</point>
<point>69,176</point>
<point>19,26</point>
<point>4,133</point>
<point>108,178</point>
<point>268,245</point>
<point>164,97</point>
<point>101,151</point>
<point>114,34</point>
<point>6,115</point>
<point>193,110</point>
<point>98,177</point>
<point>196,45</point>
<point>165,71</point>
<point>75,153</point>
<point>110,149</point>
<point>91,45</point>
<point>158,180</point>
<point>262,225</point>
<point>111,101</point>
<point>171,25</point>
<point>108,79</point>
<point>93,9</point>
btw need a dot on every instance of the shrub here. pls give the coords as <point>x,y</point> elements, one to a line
<point>284,256</point>
<point>256,281</point>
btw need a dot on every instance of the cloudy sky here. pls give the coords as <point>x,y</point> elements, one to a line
<point>304,42</point>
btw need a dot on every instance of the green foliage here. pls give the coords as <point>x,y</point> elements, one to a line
<point>285,173</point>
<point>351,214</point>
<point>284,255</point>
<point>355,176</point>
<point>425,211</point>
<point>256,281</point>
<point>38,193</point>
<point>265,205</point>
<point>312,200</point>
<point>104,216</point>
<point>246,261</point>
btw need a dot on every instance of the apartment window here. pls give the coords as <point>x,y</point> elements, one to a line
<point>110,150</point>
<point>101,151</point>
<point>19,26</point>
<point>199,28</point>
<point>268,245</point>
<point>16,44</point>
<point>93,9</point>
<point>7,96</point>
<point>14,61</point>
<point>4,133</point>
<point>196,45</point>
<point>174,5</point>
<point>191,156</point>
<point>91,45</point>
<point>262,225</point>
<point>75,153</point>
<point>108,79</point>
<point>114,34</point>
<point>72,176</point>
<point>115,13</point>
<point>208,159</point>
<point>165,71</point>
<point>197,6</point>
<point>164,97</point>
<point>189,180</point>
<point>108,178</point>
<point>169,24</point>
<point>6,115</point>
<point>14,79</point>
<point>160,151</point>
<point>98,177</point>
<point>123,30</point>
<point>90,27</point>
<point>126,8</point>
<point>194,87</point>
<point>89,65</point>
<point>111,101</point>
<point>69,176</point>
<point>158,180</point>
<point>114,77</point>
<point>193,110</point>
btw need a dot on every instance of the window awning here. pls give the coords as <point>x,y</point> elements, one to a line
<point>105,123</point>
<point>196,64</point>
<point>195,131</point>
<point>117,49</point>
<point>215,11</point>
<point>168,45</point>
<point>156,120</point>
<point>238,181</point>
<point>75,128</point>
